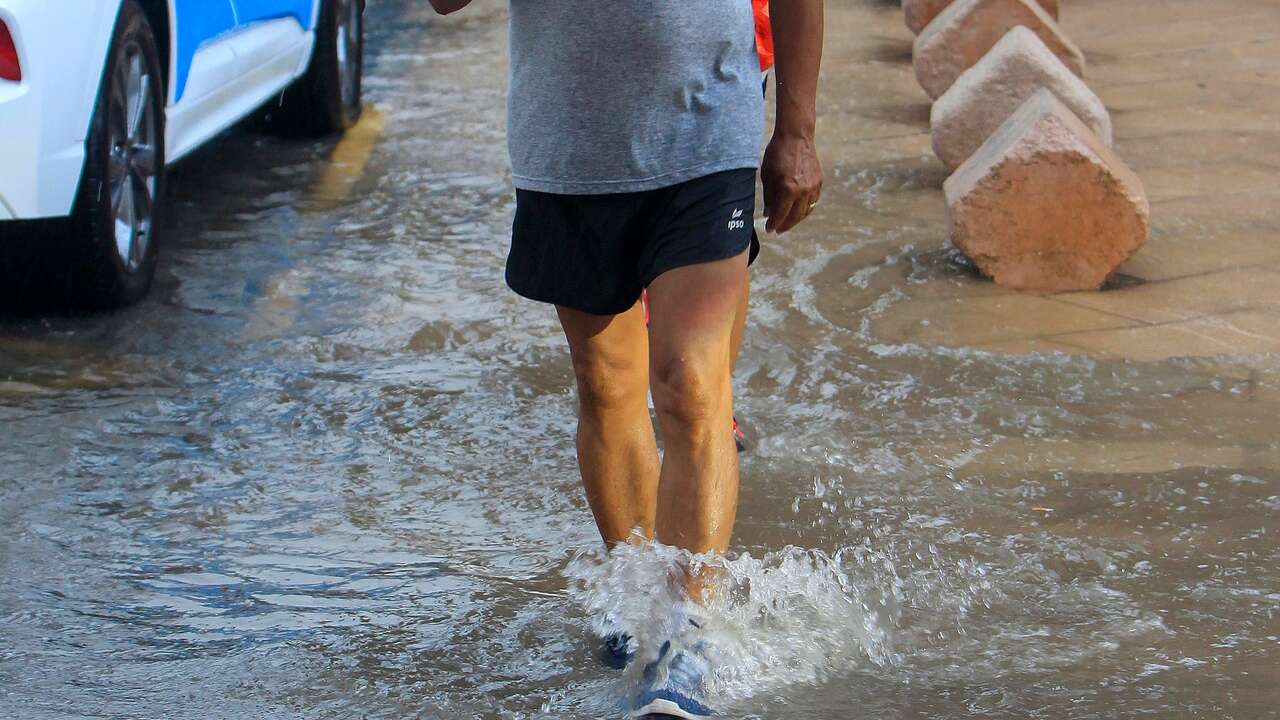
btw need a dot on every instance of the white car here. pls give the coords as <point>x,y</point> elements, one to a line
<point>98,97</point>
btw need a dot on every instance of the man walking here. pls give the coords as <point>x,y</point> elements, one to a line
<point>634,128</point>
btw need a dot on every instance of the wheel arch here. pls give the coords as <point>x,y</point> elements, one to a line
<point>160,15</point>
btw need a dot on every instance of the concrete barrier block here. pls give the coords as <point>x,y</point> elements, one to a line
<point>1044,204</point>
<point>985,95</point>
<point>964,32</point>
<point>919,13</point>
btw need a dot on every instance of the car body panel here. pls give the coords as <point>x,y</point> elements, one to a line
<point>46,116</point>
<point>227,58</point>
<point>252,11</point>
<point>244,70</point>
<point>198,22</point>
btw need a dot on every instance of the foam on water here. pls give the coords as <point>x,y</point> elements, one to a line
<point>792,616</point>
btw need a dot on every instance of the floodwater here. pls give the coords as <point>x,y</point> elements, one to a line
<point>326,469</point>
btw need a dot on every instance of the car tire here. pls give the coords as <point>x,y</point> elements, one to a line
<point>327,98</point>
<point>113,237</point>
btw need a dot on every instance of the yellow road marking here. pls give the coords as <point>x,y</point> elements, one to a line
<point>348,160</point>
<point>276,310</point>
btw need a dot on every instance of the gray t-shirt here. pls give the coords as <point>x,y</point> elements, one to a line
<point>613,96</point>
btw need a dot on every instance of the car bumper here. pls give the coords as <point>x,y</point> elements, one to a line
<point>35,182</point>
<point>46,116</point>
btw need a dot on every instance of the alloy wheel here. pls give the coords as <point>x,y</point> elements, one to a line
<point>132,158</point>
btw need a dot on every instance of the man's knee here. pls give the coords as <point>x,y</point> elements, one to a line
<point>605,384</point>
<point>689,391</point>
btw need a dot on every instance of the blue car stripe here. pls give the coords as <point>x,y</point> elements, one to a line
<point>200,21</point>
<point>251,11</point>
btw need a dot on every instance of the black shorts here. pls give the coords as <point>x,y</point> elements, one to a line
<point>596,253</point>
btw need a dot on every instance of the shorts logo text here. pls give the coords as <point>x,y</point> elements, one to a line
<point>736,223</point>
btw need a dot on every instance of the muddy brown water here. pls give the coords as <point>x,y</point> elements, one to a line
<point>325,470</point>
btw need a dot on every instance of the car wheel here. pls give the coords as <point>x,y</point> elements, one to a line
<point>327,98</point>
<point>114,237</point>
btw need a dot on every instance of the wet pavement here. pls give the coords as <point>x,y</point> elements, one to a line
<point>1191,90</point>
<point>326,469</point>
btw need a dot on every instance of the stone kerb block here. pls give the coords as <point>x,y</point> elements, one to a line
<point>1044,204</point>
<point>919,13</point>
<point>958,38</point>
<point>986,95</point>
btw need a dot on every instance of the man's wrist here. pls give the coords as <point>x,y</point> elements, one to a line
<point>795,130</point>
<point>797,117</point>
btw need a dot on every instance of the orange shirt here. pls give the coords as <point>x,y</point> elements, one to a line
<point>764,34</point>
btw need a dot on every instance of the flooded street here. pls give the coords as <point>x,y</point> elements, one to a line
<point>326,469</point>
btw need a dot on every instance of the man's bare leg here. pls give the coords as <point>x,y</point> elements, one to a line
<point>740,326</point>
<point>617,453</point>
<point>691,347</point>
<point>740,441</point>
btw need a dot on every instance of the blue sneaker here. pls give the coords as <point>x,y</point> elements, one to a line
<point>674,685</point>
<point>617,652</point>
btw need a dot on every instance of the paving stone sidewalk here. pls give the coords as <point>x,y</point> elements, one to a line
<point>1194,92</point>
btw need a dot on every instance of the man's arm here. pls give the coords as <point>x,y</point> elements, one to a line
<point>791,172</point>
<point>444,7</point>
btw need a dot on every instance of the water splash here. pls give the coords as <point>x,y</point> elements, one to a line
<point>788,617</point>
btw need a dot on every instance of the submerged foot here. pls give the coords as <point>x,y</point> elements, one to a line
<point>675,685</point>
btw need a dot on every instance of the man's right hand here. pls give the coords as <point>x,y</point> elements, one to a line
<point>444,7</point>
